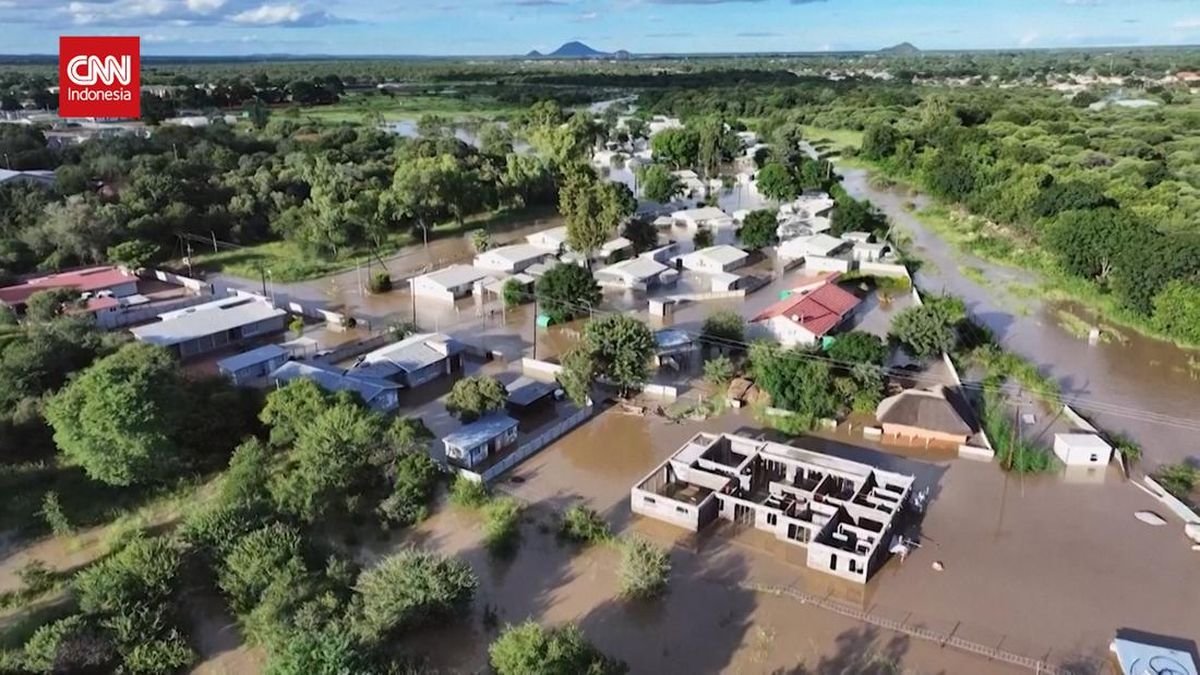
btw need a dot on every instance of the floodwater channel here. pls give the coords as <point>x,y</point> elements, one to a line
<point>1137,385</point>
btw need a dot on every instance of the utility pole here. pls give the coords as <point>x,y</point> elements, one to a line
<point>262,273</point>
<point>535,316</point>
<point>214,240</point>
<point>189,258</point>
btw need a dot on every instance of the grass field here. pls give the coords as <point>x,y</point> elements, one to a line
<point>839,140</point>
<point>359,108</point>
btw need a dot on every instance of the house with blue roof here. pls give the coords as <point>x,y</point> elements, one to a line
<point>413,361</point>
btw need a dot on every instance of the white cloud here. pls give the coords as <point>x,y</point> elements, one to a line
<point>1028,39</point>
<point>205,6</point>
<point>1192,23</point>
<point>122,10</point>
<point>588,16</point>
<point>267,15</point>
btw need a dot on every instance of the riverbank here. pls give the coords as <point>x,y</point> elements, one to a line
<point>1001,245</point>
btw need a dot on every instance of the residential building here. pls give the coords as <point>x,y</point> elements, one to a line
<point>858,237</point>
<point>807,315</point>
<point>471,445</point>
<point>870,251</point>
<point>693,186</point>
<point>526,394</point>
<point>705,216</point>
<point>1082,449</point>
<point>553,239</point>
<point>38,177</point>
<point>672,346</point>
<point>661,123</point>
<point>380,395</point>
<point>615,249</point>
<point>842,512</point>
<point>257,363</point>
<point>413,361</point>
<point>102,280</point>
<point>811,203</point>
<point>818,245</point>
<point>449,283</point>
<point>720,258</point>
<point>639,273</point>
<point>512,259</point>
<point>213,325</point>
<point>936,417</point>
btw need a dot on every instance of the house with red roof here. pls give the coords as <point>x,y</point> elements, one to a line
<point>104,280</point>
<point>810,313</point>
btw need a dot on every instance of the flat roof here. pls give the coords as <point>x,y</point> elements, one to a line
<point>410,354</point>
<point>515,253</point>
<point>480,431</point>
<point>252,358</point>
<point>721,253</point>
<point>455,276</point>
<point>332,378</point>
<point>1084,440</point>
<point>702,213</point>
<point>525,390</point>
<point>636,268</point>
<point>207,319</point>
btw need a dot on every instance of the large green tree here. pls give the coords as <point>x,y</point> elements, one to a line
<point>566,291</point>
<point>1177,310</point>
<point>593,209</point>
<point>475,396</point>
<point>928,330</point>
<point>412,588</point>
<point>658,184</point>
<point>122,418</point>
<point>529,649</point>
<point>758,229</point>
<point>795,379</point>
<point>621,349</point>
<point>775,181</point>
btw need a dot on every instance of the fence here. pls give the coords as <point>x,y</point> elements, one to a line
<point>1156,490</point>
<point>921,633</point>
<point>536,368</point>
<point>529,448</point>
<point>883,269</point>
<point>194,285</point>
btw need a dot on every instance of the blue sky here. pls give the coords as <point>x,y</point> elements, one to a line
<point>641,26</point>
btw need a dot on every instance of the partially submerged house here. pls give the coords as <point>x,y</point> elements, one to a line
<point>97,281</point>
<point>808,314</point>
<point>449,283</point>
<point>720,258</point>
<point>379,394</point>
<point>413,361</point>
<point>819,245</point>
<point>672,346</point>
<point>1082,449</point>
<point>553,239</point>
<point>512,259</point>
<point>639,273</point>
<point>526,395</point>
<point>471,445</point>
<point>703,217</point>
<point>841,512</point>
<point>213,325</point>
<point>937,417</point>
<point>252,365</point>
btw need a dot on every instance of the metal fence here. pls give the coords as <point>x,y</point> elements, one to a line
<point>530,448</point>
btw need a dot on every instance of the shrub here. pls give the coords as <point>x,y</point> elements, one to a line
<point>501,524</point>
<point>141,573</point>
<point>167,654</point>
<point>52,513</point>
<point>380,282</point>
<point>412,588</point>
<point>584,525</point>
<point>645,569</point>
<point>296,325</point>
<point>416,476</point>
<point>475,396</point>
<point>1178,479</point>
<point>514,293</point>
<point>36,578</point>
<point>724,328</point>
<point>214,530</point>
<point>467,493</point>
<point>529,649</point>
<point>257,560</point>
<point>718,373</point>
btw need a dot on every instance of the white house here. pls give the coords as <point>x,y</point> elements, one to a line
<point>512,259</point>
<point>475,442</point>
<point>553,239</point>
<point>640,273</point>
<point>705,216</point>
<point>858,237</point>
<point>449,283</point>
<point>661,123</point>
<point>693,186</point>
<point>1082,449</point>
<point>813,203</point>
<point>721,258</point>
<point>821,245</point>
<point>808,315</point>
<point>870,251</point>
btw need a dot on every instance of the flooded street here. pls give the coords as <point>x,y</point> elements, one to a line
<point>1125,386</point>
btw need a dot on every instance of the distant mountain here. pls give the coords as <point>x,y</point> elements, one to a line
<point>575,50</point>
<point>533,54</point>
<point>902,49</point>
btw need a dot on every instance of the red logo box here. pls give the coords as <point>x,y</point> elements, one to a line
<point>99,77</point>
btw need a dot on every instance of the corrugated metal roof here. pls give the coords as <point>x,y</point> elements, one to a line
<point>252,358</point>
<point>635,268</point>
<point>818,310</point>
<point>410,354</point>
<point>480,431</point>
<point>524,390</point>
<point>455,276</point>
<point>332,378</point>
<point>207,319</point>
<point>85,279</point>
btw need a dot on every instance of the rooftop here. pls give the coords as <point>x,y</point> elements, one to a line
<point>480,431</point>
<point>702,213</point>
<point>524,390</point>
<point>940,409</point>
<point>670,338</point>
<point>86,279</point>
<point>818,309</point>
<point>332,378</point>
<point>516,253</point>
<point>635,268</point>
<point>252,358</point>
<point>408,355</point>
<point>207,319</point>
<point>722,254</point>
<point>455,276</point>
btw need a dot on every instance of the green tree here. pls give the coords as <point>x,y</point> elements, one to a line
<point>134,254</point>
<point>412,588</point>
<point>1088,243</point>
<point>421,188</point>
<point>678,147</point>
<point>481,241</point>
<point>724,328</point>
<point>415,478</point>
<point>641,233</point>
<point>1177,310</point>
<point>577,375</point>
<point>329,459</point>
<point>621,348</point>
<point>795,381</point>
<point>515,293</point>
<point>857,347</point>
<point>475,396</point>
<point>718,373</point>
<point>758,229</point>
<point>775,181</point>
<point>703,238</point>
<point>122,418</point>
<point>290,408</point>
<point>329,649</point>
<point>529,649</point>
<point>142,574</point>
<point>50,304</point>
<point>658,184</point>
<point>592,209</point>
<point>645,568</point>
<point>930,329</point>
<point>256,561</point>
<point>566,291</point>
<point>880,140</point>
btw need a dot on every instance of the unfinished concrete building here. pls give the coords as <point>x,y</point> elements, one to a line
<point>841,511</point>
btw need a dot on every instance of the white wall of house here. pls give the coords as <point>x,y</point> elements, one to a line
<point>786,332</point>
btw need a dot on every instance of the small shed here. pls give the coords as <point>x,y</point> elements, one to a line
<point>471,445</point>
<point>1082,449</point>
<point>254,364</point>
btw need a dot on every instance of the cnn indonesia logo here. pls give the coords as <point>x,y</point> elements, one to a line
<point>99,77</point>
